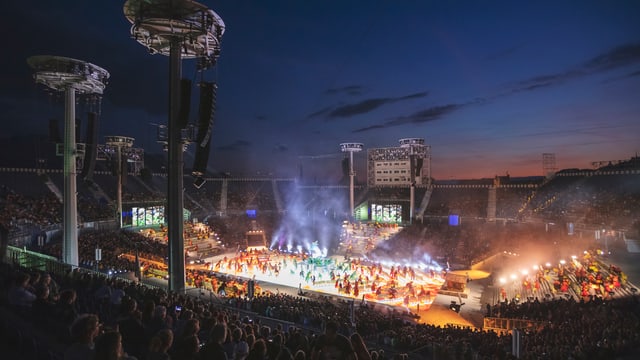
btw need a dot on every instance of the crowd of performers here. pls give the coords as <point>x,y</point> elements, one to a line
<point>361,238</point>
<point>583,277</point>
<point>356,278</point>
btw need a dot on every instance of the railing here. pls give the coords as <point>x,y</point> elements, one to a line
<point>505,325</point>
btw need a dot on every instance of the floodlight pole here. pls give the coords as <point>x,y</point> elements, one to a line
<point>351,148</point>
<point>175,200</point>
<point>71,76</point>
<point>179,29</point>
<point>70,206</point>
<point>414,144</point>
<point>119,143</point>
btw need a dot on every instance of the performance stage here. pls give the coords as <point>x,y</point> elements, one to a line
<point>413,286</point>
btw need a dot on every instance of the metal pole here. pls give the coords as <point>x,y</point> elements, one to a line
<point>70,207</point>
<point>352,175</point>
<point>175,171</point>
<point>119,194</point>
<point>412,185</point>
<point>412,197</point>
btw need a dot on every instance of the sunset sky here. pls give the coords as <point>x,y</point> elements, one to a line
<point>489,85</point>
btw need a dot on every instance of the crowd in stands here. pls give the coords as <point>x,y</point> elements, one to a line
<point>594,329</point>
<point>601,200</point>
<point>95,316</point>
<point>113,245</point>
<point>510,202</point>
<point>468,202</point>
<point>90,313</point>
<point>245,194</point>
<point>16,209</point>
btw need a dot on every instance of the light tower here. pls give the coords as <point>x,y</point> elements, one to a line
<point>71,76</point>
<point>178,29</point>
<point>416,146</point>
<point>549,165</point>
<point>119,144</point>
<point>351,148</point>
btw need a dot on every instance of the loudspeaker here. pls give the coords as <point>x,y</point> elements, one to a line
<point>205,127</point>
<point>185,103</point>
<point>54,131</point>
<point>91,147</point>
<point>206,112</point>
<point>201,159</point>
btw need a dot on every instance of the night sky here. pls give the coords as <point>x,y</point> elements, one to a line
<point>490,85</point>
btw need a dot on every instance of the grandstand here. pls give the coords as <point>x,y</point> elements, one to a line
<point>500,219</point>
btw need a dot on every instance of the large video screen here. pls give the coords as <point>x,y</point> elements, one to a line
<point>388,213</point>
<point>147,216</point>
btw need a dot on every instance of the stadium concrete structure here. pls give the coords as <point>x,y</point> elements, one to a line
<point>573,209</point>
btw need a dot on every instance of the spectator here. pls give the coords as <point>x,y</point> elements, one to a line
<point>184,343</point>
<point>213,348</point>
<point>188,349</point>
<point>42,307</point>
<point>160,345</point>
<point>83,331</point>
<point>109,347</point>
<point>65,312</point>
<point>240,346</point>
<point>131,328</point>
<point>300,355</point>
<point>18,294</point>
<point>258,350</point>
<point>360,347</point>
<point>332,345</point>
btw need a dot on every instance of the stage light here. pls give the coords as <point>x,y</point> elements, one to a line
<point>503,280</point>
<point>455,307</point>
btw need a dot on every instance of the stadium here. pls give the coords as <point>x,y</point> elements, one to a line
<point>109,250</point>
<point>472,259</point>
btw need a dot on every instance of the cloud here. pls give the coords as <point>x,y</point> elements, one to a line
<point>369,105</point>
<point>280,148</point>
<point>350,90</point>
<point>235,146</point>
<point>632,74</point>
<point>362,107</point>
<point>367,128</point>
<point>618,57</point>
<point>319,112</point>
<point>427,115</point>
<point>430,114</point>
<point>546,80</point>
<point>622,77</point>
